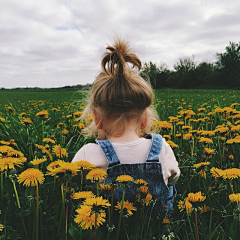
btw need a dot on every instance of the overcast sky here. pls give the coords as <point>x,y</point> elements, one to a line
<point>54,43</point>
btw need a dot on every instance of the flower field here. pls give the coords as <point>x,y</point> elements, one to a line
<point>45,196</point>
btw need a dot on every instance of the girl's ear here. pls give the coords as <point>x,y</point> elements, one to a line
<point>97,120</point>
<point>144,119</point>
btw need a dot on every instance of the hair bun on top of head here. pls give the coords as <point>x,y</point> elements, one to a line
<point>115,60</point>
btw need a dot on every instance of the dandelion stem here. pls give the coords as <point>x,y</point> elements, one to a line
<point>1,188</point>
<point>66,227</point>
<point>62,218</point>
<point>37,211</point>
<point>54,185</point>
<point>95,227</point>
<point>111,206</point>
<point>120,217</point>
<point>97,189</point>
<point>42,129</point>
<point>16,193</point>
<point>196,223</point>
<point>81,185</point>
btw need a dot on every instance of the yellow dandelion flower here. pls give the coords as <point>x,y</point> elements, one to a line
<point>180,123</point>
<point>173,119</point>
<point>222,130</point>
<point>140,182</point>
<point>124,178</point>
<point>70,167</point>
<point>187,136</point>
<point>186,127</point>
<point>105,187</point>
<point>233,140</point>
<point>231,157</point>
<point>90,117</point>
<point>97,202</point>
<point>1,227</point>
<point>83,194</point>
<point>166,220</point>
<point>143,189</point>
<point>96,174</point>
<point>148,199</point>
<point>54,164</point>
<point>166,136</point>
<point>216,172</point>
<point>172,144</point>
<point>2,119</point>
<point>82,164</point>
<point>231,173</point>
<point>40,147</point>
<point>77,114</point>
<point>196,197</point>
<point>204,208</point>
<point>43,114</point>
<point>5,149</point>
<point>235,128</point>
<point>207,133</point>
<point>81,125</point>
<point>182,205</point>
<point>27,121</point>
<point>48,153</point>
<point>201,164</point>
<point>59,151</point>
<point>126,206</point>
<point>87,219</point>
<point>5,143</point>
<point>202,110</point>
<point>31,177</point>
<point>49,140</point>
<point>56,171</point>
<point>203,173</point>
<point>235,197</point>
<point>65,132</point>
<point>36,162</point>
<point>209,151</point>
<point>61,125</point>
<point>70,116</point>
<point>10,109</point>
<point>205,140</point>
<point>11,162</point>
<point>164,124</point>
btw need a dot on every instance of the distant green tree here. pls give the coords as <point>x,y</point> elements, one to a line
<point>205,74</point>
<point>150,72</point>
<point>163,77</point>
<point>185,72</point>
<point>228,64</point>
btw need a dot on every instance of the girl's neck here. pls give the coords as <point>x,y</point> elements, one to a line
<point>130,134</point>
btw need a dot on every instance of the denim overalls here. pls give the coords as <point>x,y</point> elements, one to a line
<point>150,171</point>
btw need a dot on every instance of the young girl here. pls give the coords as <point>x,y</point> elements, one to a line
<point>120,103</point>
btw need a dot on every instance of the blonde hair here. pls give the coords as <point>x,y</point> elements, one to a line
<point>118,91</point>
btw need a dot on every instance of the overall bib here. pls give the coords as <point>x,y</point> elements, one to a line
<point>150,171</point>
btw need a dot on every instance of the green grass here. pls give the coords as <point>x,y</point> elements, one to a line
<point>171,96</point>
<point>221,221</point>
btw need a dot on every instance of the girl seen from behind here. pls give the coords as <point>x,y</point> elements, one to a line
<point>121,105</point>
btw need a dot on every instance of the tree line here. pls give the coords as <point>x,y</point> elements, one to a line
<point>223,73</point>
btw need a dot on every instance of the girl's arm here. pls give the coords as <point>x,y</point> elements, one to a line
<point>80,155</point>
<point>171,171</point>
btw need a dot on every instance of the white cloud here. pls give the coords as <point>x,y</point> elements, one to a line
<point>60,42</point>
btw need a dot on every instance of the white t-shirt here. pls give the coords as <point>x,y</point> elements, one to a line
<point>132,152</point>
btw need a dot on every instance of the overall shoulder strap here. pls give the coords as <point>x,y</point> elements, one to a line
<point>109,152</point>
<point>155,149</point>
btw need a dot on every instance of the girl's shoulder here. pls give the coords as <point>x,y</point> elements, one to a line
<point>86,151</point>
